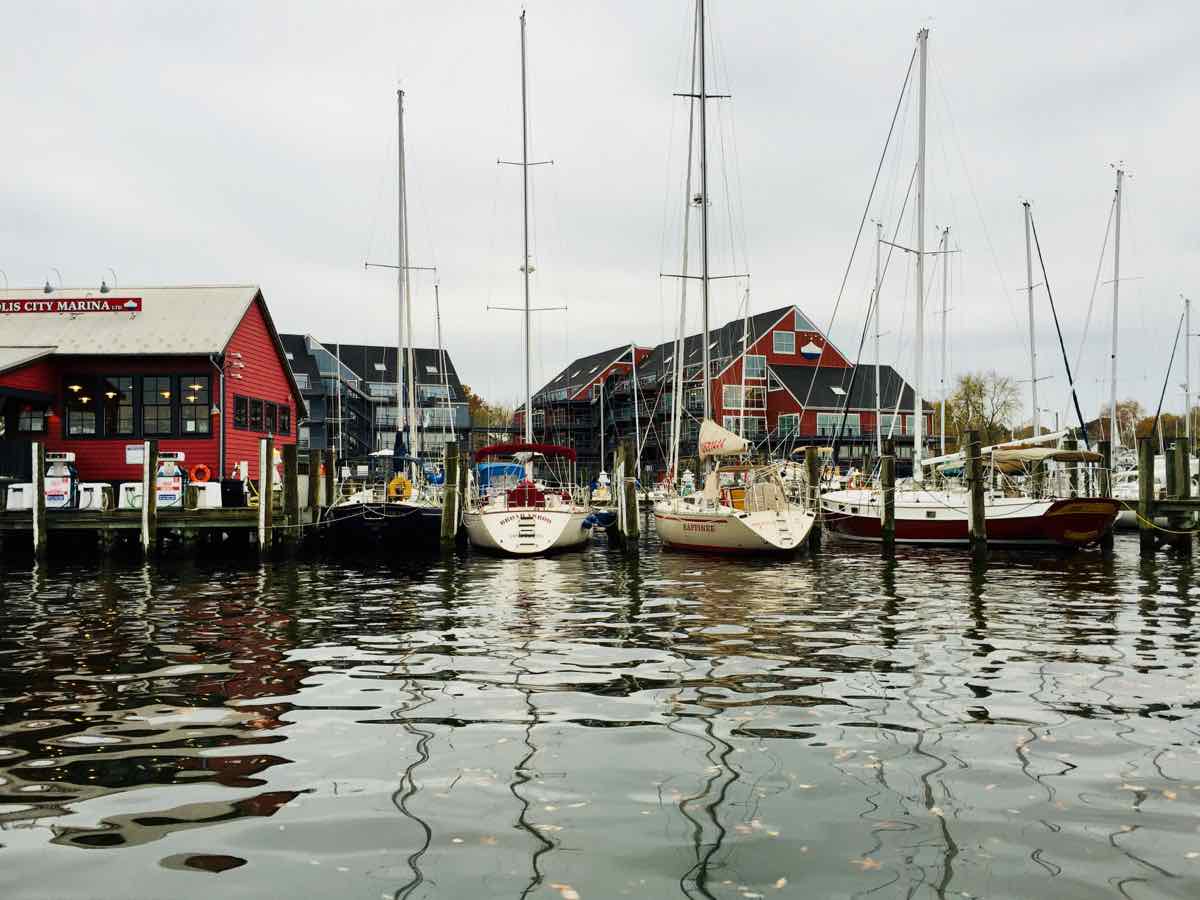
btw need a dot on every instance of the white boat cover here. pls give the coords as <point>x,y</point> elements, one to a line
<point>718,441</point>
<point>1038,454</point>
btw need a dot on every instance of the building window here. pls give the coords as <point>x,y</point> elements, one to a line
<point>730,423</point>
<point>789,423</point>
<point>753,426</point>
<point>284,419</point>
<point>195,405</point>
<point>79,406</point>
<point>241,413</point>
<point>891,425</point>
<point>428,392</point>
<point>784,342</point>
<point>256,415</point>
<point>755,398</point>
<point>31,420</point>
<point>756,366</point>
<point>829,423</point>
<point>301,380</point>
<point>773,382</point>
<point>118,405</point>
<point>269,418</point>
<point>731,396</point>
<point>156,404</point>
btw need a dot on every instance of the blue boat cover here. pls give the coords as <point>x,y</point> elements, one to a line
<point>485,473</point>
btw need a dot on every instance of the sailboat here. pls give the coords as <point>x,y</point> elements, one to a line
<point>742,508</point>
<point>539,514</point>
<point>407,510</point>
<point>941,515</point>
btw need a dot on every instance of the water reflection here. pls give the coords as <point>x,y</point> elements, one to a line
<point>603,725</point>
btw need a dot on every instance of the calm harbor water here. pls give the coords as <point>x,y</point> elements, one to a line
<point>596,727</point>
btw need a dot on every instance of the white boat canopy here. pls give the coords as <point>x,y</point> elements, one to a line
<point>718,441</point>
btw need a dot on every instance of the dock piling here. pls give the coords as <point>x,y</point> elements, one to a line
<point>812,476</point>
<point>1146,536</point>
<point>314,484</point>
<point>266,468</point>
<point>887,491</point>
<point>977,526</point>
<point>39,499</point>
<point>149,497</point>
<point>291,493</point>
<point>450,496</point>
<point>1183,521</point>
<point>1104,489</point>
<point>628,504</point>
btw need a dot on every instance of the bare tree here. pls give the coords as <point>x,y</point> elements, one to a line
<point>985,401</point>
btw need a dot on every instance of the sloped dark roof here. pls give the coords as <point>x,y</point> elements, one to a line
<point>363,358</point>
<point>301,361</point>
<point>798,379</point>
<point>583,370</point>
<point>727,339</point>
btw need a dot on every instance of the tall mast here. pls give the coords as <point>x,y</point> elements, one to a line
<point>703,206</point>
<point>918,399</point>
<point>945,310</point>
<point>400,269</point>
<point>447,425</point>
<point>878,430</point>
<point>679,385</point>
<point>1115,434</point>
<point>1033,376</point>
<point>525,231</point>
<point>406,291</point>
<point>637,419</point>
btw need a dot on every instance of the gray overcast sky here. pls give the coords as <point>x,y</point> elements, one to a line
<point>181,142</point>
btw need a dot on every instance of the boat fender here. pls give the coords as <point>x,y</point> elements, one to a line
<point>400,487</point>
<point>200,472</point>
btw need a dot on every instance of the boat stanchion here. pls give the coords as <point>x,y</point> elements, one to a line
<point>450,496</point>
<point>813,477</point>
<point>39,499</point>
<point>977,526</point>
<point>887,492</point>
<point>1146,537</point>
<point>149,497</point>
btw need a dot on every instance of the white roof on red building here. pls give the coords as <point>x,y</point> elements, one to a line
<point>164,321</point>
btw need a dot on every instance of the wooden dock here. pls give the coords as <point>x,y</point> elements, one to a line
<point>280,523</point>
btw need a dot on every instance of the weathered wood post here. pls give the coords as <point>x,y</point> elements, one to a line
<point>1072,467</point>
<point>630,526</point>
<point>812,472</point>
<point>39,499</point>
<point>149,497</point>
<point>887,492</point>
<point>450,496</point>
<point>1104,489</point>
<point>1183,521</point>
<point>1146,537</point>
<point>977,526</point>
<point>314,484</point>
<point>266,469</point>
<point>330,461</point>
<point>291,493</point>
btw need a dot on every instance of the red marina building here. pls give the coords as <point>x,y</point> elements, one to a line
<point>200,369</point>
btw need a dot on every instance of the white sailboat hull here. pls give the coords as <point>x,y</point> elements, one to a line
<point>527,531</point>
<point>722,529</point>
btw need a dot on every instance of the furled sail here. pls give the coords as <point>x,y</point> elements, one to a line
<point>718,441</point>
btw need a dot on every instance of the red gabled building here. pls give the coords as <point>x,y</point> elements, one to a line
<point>198,368</point>
<point>775,378</point>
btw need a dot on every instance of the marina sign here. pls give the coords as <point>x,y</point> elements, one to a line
<point>71,305</point>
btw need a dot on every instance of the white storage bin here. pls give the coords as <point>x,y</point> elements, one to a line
<point>95,495</point>
<point>20,496</point>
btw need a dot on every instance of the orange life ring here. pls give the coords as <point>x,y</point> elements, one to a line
<point>200,472</point>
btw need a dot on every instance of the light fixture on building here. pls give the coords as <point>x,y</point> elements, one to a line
<point>190,398</point>
<point>75,387</point>
<point>103,286</point>
<point>110,394</point>
<point>84,399</point>
<point>166,394</point>
<point>195,387</point>
<point>47,289</point>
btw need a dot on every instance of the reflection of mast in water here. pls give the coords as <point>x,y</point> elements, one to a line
<point>521,776</point>
<point>408,788</point>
